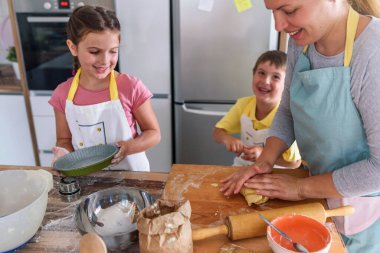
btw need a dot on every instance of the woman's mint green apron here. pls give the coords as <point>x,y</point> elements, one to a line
<point>330,135</point>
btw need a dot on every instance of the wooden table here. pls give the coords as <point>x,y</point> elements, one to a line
<point>58,232</point>
<point>210,207</point>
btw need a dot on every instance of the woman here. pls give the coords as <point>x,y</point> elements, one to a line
<point>330,108</point>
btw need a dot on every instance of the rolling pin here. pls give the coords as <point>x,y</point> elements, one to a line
<point>250,225</point>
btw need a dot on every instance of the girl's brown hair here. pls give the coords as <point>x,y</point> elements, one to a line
<point>87,19</point>
<point>276,57</point>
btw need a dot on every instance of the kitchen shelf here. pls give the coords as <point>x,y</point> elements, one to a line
<point>8,80</point>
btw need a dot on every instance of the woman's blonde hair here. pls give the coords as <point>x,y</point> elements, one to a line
<point>366,7</point>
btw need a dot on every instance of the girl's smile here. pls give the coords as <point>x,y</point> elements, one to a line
<point>98,54</point>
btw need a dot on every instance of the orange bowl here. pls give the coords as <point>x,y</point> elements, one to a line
<point>313,235</point>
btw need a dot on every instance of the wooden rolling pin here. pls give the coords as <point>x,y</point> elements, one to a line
<point>250,225</point>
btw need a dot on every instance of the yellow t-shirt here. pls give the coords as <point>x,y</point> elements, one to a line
<point>247,105</point>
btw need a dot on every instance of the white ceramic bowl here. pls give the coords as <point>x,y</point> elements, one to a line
<point>23,198</point>
<point>310,233</point>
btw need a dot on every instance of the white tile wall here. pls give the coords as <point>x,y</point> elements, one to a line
<point>3,14</point>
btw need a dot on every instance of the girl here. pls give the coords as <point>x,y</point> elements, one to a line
<point>99,105</point>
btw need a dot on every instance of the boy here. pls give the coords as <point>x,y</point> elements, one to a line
<point>252,116</point>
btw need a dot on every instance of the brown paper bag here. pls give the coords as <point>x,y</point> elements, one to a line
<point>165,227</point>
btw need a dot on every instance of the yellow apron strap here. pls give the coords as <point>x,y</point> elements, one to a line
<point>74,86</point>
<point>305,49</point>
<point>352,24</point>
<point>113,86</point>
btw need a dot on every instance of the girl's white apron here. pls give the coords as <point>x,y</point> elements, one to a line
<point>102,123</point>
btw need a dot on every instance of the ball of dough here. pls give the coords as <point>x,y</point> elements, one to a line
<point>252,197</point>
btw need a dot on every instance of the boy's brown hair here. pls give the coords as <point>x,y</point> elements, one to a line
<point>276,57</point>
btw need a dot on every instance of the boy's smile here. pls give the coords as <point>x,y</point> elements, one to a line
<point>268,83</point>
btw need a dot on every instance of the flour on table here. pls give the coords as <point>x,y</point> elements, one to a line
<point>180,184</point>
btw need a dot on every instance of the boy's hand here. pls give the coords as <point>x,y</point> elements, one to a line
<point>234,145</point>
<point>251,153</point>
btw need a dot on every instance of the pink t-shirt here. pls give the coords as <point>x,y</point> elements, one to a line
<point>132,94</point>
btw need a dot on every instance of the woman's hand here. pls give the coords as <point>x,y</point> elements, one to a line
<point>233,183</point>
<point>280,186</point>
<point>251,153</point>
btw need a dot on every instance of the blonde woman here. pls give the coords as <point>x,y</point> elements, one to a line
<point>330,107</point>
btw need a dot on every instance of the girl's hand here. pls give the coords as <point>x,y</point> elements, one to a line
<point>280,186</point>
<point>251,153</point>
<point>122,145</point>
<point>58,152</point>
<point>233,183</point>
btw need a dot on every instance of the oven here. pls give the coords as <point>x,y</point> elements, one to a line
<point>42,31</point>
<point>41,27</point>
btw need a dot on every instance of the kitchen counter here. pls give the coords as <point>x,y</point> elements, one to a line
<point>8,80</point>
<point>58,232</point>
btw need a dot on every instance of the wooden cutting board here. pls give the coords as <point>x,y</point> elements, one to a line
<point>200,185</point>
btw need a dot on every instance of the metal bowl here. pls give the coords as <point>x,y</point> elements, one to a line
<point>112,214</point>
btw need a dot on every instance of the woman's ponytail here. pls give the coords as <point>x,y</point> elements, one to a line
<point>366,7</point>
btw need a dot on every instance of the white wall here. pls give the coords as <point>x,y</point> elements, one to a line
<point>3,15</point>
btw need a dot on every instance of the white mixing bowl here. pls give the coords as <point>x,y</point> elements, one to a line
<point>23,201</point>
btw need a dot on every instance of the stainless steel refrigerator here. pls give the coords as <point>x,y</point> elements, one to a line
<point>145,53</point>
<point>214,50</point>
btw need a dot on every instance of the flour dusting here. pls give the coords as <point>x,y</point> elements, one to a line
<point>181,184</point>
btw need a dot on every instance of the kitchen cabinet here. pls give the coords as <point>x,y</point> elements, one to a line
<point>44,122</point>
<point>16,143</point>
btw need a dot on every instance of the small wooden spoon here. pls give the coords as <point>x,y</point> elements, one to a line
<point>92,243</point>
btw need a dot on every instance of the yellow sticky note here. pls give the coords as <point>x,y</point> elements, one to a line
<point>243,5</point>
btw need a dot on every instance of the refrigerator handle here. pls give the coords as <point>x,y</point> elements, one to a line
<point>202,112</point>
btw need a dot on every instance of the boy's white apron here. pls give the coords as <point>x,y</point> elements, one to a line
<point>250,137</point>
